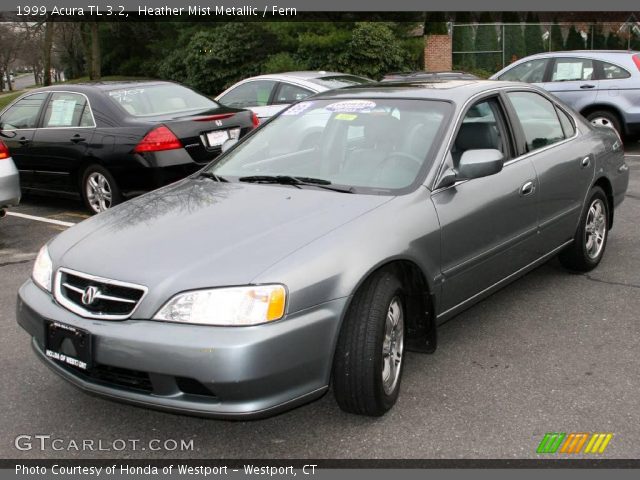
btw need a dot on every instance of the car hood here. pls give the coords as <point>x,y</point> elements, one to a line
<point>200,233</point>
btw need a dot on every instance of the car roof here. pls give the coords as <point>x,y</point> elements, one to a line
<point>83,87</point>
<point>456,90</point>
<point>591,53</point>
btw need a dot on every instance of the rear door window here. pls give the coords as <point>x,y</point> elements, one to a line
<point>572,69</point>
<point>538,118</point>
<point>288,93</point>
<point>531,71</point>
<point>613,72</point>
<point>67,110</point>
<point>251,94</point>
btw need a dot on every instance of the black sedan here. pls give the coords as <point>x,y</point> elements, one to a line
<point>112,140</point>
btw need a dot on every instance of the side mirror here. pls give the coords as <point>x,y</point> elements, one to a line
<point>228,144</point>
<point>479,163</point>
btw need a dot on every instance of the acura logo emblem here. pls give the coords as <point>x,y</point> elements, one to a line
<point>90,295</point>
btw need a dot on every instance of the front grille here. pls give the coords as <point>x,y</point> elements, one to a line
<point>97,297</point>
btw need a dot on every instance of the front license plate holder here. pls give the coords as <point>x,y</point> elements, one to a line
<point>68,345</point>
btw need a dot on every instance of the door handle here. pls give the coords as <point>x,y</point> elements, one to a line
<point>527,189</point>
<point>77,139</point>
<point>587,85</point>
<point>24,141</point>
<point>584,163</point>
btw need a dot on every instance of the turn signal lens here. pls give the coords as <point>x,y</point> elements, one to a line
<point>158,139</point>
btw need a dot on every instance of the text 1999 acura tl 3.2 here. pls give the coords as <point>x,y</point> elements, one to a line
<point>321,247</point>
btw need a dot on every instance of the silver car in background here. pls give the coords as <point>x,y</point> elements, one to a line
<point>266,95</point>
<point>603,85</point>
<point>9,180</point>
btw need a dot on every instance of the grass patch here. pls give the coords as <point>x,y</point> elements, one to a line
<point>8,98</point>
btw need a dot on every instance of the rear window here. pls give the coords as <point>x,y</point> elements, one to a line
<point>163,99</point>
<point>613,72</point>
<point>339,81</point>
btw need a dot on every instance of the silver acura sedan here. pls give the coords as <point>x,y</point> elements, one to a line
<point>286,265</point>
<point>9,180</point>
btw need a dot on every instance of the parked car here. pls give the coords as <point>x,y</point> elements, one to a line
<point>112,140</point>
<point>310,266</point>
<point>421,76</point>
<point>9,181</point>
<point>603,85</point>
<point>266,95</point>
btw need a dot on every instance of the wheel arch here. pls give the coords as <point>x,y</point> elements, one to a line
<point>605,185</point>
<point>420,301</point>
<point>605,107</point>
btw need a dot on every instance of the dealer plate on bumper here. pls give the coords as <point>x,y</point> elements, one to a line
<point>68,345</point>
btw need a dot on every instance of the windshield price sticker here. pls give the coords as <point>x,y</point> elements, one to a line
<point>298,108</point>
<point>352,106</point>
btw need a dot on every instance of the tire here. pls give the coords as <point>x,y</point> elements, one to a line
<point>590,240</point>
<point>606,119</point>
<point>359,380</point>
<point>99,189</point>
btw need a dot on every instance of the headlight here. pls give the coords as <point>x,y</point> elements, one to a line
<point>42,269</point>
<point>226,306</point>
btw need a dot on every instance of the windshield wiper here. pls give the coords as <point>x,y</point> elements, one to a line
<point>213,176</point>
<point>298,182</point>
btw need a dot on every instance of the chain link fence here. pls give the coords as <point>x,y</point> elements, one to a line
<point>488,47</point>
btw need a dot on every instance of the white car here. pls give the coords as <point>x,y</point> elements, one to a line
<point>9,180</point>
<point>266,95</point>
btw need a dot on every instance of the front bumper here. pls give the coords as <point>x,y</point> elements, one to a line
<point>9,184</point>
<point>244,371</point>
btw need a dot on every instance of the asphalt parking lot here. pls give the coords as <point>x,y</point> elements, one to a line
<point>552,352</point>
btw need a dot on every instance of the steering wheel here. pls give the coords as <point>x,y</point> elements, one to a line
<point>404,157</point>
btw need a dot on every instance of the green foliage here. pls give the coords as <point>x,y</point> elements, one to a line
<point>574,39</point>
<point>283,62</point>
<point>514,47</point>
<point>463,36</point>
<point>614,42</point>
<point>487,41</point>
<point>533,35</point>
<point>596,39</point>
<point>557,42</point>
<point>210,56</point>
<point>435,24</point>
<point>363,51</point>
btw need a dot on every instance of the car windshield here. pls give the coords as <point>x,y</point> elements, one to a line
<point>339,81</point>
<point>371,146</point>
<point>159,99</point>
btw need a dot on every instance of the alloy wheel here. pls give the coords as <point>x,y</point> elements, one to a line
<point>392,346</point>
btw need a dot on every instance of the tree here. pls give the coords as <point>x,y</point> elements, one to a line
<point>596,39</point>
<point>487,41</point>
<point>363,53</point>
<point>47,47</point>
<point>435,23</point>
<point>463,36</point>
<point>513,41</point>
<point>533,35</point>
<point>555,39</point>
<point>10,39</point>
<point>614,42</point>
<point>574,39</point>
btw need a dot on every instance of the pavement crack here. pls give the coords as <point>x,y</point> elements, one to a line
<point>608,282</point>
<point>631,195</point>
